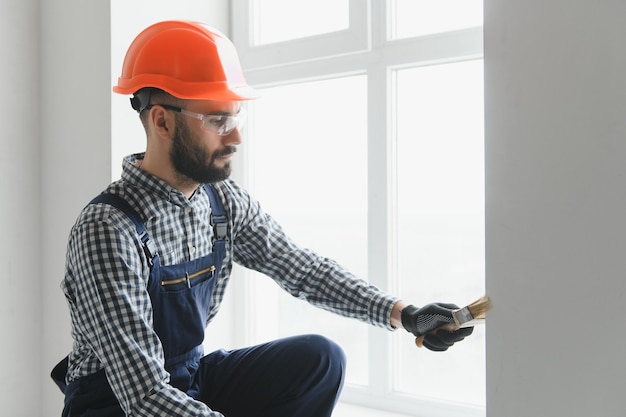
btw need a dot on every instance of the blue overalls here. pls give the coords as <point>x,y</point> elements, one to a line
<point>298,376</point>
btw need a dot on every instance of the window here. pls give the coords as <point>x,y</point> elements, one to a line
<point>427,17</point>
<point>367,146</point>
<point>302,137</point>
<point>268,28</point>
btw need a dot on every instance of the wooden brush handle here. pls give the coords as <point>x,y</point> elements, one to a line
<point>419,341</point>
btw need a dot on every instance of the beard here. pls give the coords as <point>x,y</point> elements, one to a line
<point>192,160</point>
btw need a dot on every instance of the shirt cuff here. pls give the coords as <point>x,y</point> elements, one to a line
<point>380,309</point>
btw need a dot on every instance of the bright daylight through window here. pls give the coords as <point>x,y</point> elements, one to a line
<point>367,146</point>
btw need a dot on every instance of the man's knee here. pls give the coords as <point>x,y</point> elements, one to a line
<point>322,355</point>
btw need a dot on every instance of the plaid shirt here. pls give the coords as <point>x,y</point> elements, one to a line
<point>107,273</point>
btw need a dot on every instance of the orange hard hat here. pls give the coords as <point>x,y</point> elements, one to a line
<point>189,60</point>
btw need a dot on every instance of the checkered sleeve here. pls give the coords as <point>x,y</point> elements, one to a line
<point>262,245</point>
<point>112,314</point>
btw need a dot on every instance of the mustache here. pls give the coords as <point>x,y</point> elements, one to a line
<point>225,152</point>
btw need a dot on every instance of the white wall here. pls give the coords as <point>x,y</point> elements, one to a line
<point>75,154</point>
<point>556,204</point>
<point>20,293</point>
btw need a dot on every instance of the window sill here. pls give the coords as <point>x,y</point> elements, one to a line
<point>351,410</point>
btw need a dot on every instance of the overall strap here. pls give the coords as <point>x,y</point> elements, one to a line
<point>218,216</point>
<point>118,202</point>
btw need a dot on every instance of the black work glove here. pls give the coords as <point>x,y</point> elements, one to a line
<point>426,320</point>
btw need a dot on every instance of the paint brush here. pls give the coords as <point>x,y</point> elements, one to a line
<point>467,316</point>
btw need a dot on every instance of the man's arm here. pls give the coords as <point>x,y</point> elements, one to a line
<point>262,245</point>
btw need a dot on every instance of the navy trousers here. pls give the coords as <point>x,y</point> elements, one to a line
<point>297,376</point>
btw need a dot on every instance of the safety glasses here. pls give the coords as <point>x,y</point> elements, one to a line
<point>221,124</point>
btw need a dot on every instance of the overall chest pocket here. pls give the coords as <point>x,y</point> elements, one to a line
<point>181,299</point>
<point>183,281</point>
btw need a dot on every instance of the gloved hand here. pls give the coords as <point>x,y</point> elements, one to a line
<point>423,321</point>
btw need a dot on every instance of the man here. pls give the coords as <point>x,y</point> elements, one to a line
<point>149,259</point>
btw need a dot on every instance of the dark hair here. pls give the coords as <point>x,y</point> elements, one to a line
<point>150,95</point>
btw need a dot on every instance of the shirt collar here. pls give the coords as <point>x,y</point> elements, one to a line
<point>133,174</point>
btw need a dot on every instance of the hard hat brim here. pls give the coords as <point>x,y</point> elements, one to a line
<point>186,90</point>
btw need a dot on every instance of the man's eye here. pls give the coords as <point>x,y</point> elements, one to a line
<point>216,120</point>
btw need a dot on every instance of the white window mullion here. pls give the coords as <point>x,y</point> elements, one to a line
<point>435,49</point>
<point>378,195</point>
<point>378,216</point>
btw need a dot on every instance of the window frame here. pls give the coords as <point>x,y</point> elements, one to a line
<point>365,48</point>
<point>301,50</point>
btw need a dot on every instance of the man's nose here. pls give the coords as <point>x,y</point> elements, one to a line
<point>233,138</point>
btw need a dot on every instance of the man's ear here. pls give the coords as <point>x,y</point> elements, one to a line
<point>162,122</point>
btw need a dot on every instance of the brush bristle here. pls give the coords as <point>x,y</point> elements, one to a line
<point>480,307</point>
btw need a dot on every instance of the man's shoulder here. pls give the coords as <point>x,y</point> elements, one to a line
<point>105,211</point>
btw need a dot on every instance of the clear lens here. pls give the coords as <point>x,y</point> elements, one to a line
<point>224,125</point>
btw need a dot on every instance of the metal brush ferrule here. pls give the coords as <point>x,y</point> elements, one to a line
<point>462,316</point>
